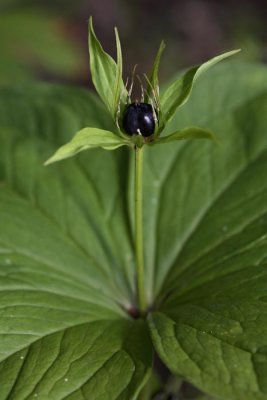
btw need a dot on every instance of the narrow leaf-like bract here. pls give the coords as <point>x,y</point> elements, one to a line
<point>153,78</point>
<point>186,134</point>
<point>106,74</point>
<point>85,139</point>
<point>179,91</point>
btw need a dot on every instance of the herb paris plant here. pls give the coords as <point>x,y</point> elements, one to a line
<point>137,123</point>
<point>67,254</point>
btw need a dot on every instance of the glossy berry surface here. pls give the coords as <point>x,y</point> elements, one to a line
<point>139,117</point>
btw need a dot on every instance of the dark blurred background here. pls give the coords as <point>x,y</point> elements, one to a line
<point>47,39</point>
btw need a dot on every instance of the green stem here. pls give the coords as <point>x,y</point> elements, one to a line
<point>145,393</point>
<point>139,251</point>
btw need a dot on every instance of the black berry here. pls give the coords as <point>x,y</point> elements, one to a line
<point>139,117</point>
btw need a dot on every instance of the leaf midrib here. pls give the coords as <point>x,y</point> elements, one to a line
<point>70,326</point>
<point>203,212</point>
<point>209,334</point>
<point>95,284</point>
<point>206,211</point>
<point>64,233</point>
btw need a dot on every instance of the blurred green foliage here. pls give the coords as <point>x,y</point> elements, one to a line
<point>35,44</point>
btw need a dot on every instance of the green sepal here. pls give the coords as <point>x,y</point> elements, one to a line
<point>106,74</point>
<point>85,139</point>
<point>192,132</point>
<point>152,81</point>
<point>178,93</point>
<point>119,89</point>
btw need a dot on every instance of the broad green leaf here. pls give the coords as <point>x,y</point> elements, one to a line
<point>178,93</point>
<point>185,180</point>
<point>187,134</point>
<point>40,119</point>
<point>215,335</point>
<point>69,228</point>
<point>66,269</point>
<point>87,138</point>
<point>96,359</point>
<point>209,267</point>
<point>153,78</point>
<point>106,74</point>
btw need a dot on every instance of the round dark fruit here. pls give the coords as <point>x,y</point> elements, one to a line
<point>139,118</point>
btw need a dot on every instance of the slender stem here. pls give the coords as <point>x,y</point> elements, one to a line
<point>139,251</point>
<point>145,393</point>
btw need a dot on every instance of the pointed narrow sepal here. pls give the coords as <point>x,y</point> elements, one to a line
<point>178,93</point>
<point>153,81</point>
<point>88,138</point>
<point>120,92</point>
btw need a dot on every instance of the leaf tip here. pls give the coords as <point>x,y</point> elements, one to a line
<point>57,156</point>
<point>91,26</point>
<point>117,37</point>
<point>235,51</point>
<point>49,161</point>
<point>46,163</point>
<point>163,44</point>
